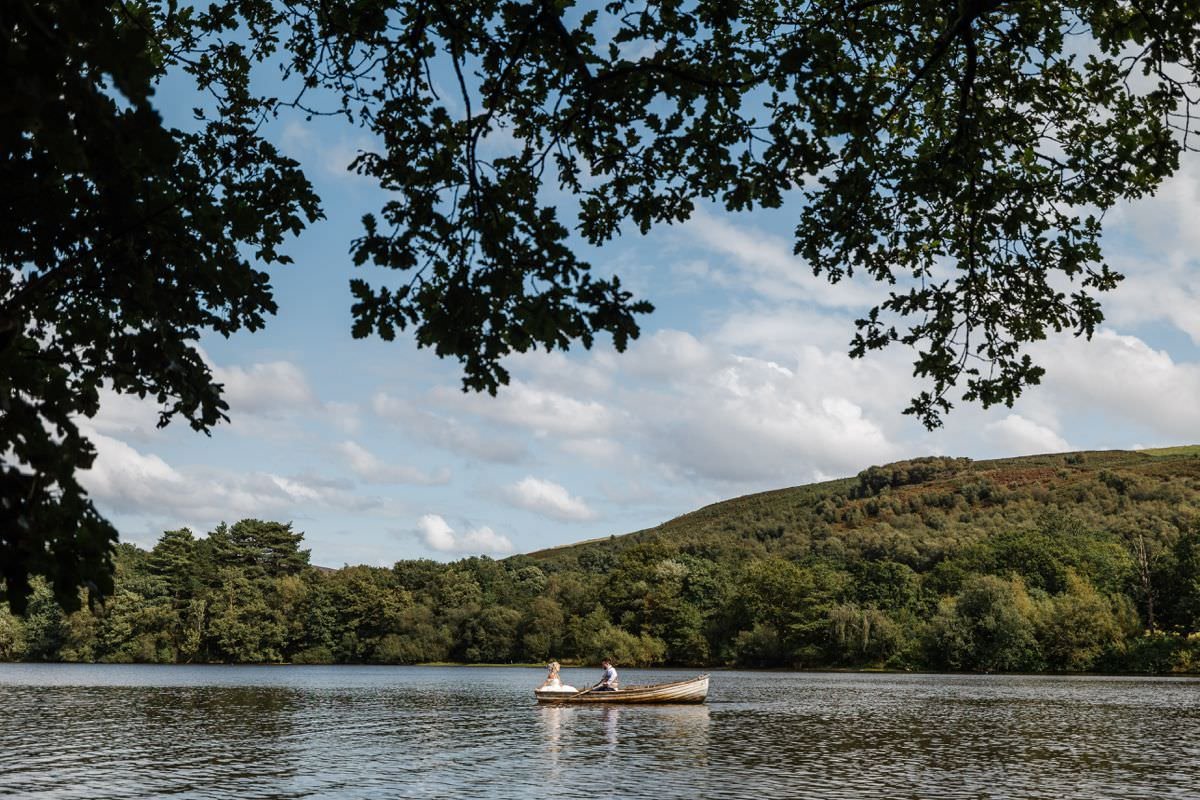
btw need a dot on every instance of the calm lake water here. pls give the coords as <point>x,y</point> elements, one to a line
<point>97,731</point>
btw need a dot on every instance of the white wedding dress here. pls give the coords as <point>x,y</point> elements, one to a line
<point>556,685</point>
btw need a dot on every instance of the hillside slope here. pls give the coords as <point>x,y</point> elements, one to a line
<point>920,511</point>
<point>1075,561</point>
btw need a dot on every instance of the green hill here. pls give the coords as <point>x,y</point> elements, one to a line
<point>1070,562</point>
<point>924,510</point>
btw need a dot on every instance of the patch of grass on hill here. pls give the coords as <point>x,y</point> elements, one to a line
<point>1182,450</point>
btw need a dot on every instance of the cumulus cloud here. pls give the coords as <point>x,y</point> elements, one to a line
<point>1154,242</point>
<point>127,481</point>
<point>266,389</point>
<point>437,535</point>
<point>667,353</point>
<point>270,389</point>
<point>1125,378</point>
<point>1164,223</point>
<point>710,414</point>
<point>755,424</point>
<point>265,400</point>
<point>595,451</point>
<point>1155,290</point>
<point>542,412</point>
<point>447,432</point>
<point>370,468</point>
<point>549,499</point>
<point>555,370</point>
<point>767,265</point>
<point>1014,435</point>
<point>126,416</point>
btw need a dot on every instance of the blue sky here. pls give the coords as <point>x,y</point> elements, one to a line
<point>738,384</point>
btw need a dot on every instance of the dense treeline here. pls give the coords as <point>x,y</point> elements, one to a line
<point>1077,563</point>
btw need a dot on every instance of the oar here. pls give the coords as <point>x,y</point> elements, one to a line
<point>585,691</point>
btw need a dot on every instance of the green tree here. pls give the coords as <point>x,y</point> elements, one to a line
<point>789,603</point>
<point>1075,627</point>
<point>885,584</point>
<point>44,624</point>
<point>422,635</point>
<point>260,549</point>
<point>987,627</point>
<point>862,635</point>
<point>1183,579</point>
<point>489,635</point>
<point>121,241</point>
<point>243,625</point>
<point>175,559</point>
<point>370,605</point>
<point>593,637</point>
<point>418,575</point>
<point>12,636</point>
<point>541,630</point>
<point>133,628</point>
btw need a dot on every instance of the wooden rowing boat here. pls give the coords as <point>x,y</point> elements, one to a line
<point>689,691</point>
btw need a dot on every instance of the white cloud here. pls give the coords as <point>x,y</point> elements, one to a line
<point>591,374</point>
<point>541,411</point>
<point>447,432</point>
<point>709,414</point>
<point>595,451</point>
<point>124,477</point>
<point>1165,223</point>
<point>769,267</point>
<point>1014,435</point>
<point>754,423</point>
<point>1169,294</point>
<point>346,417</point>
<point>126,481</point>
<point>1127,379</point>
<point>332,156</point>
<point>668,353</point>
<point>268,389</point>
<point>549,499</point>
<point>271,389</point>
<point>780,332</point>
<point>1155,243</point>
<point>437,535</point>
<point>126,415</point>
<point>370,468</point>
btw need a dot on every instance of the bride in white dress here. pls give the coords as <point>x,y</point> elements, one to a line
<point>552,682</point>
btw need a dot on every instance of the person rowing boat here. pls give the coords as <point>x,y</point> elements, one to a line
<point>608,682</point>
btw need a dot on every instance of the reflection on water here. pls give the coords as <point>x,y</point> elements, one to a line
<point>250,732</point>
<point>682,729</point>
<point>611,716</point>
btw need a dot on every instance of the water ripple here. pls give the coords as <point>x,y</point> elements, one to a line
<point>98,732</point>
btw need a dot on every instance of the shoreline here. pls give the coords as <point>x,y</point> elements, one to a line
<point>702,669</point>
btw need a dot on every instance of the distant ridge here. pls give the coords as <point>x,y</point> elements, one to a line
<point>889,500</point>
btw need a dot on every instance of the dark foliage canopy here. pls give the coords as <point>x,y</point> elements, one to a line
<point>121,241</point>
<point>963,155</point>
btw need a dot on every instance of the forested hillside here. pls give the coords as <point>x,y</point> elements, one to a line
<point>1077,562</point>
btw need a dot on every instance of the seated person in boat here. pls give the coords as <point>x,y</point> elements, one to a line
<point>552,682</point>
<point>608,683</point>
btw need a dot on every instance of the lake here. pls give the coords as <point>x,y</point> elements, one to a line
<point>109,731</point>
